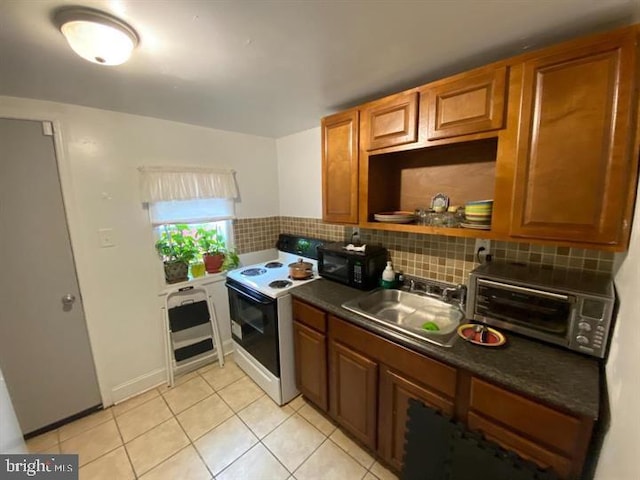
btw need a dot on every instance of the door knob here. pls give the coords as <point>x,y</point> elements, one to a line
<point>68,299</point>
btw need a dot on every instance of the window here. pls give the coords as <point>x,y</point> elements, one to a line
<point>210,213</point>
<point>196,196</point>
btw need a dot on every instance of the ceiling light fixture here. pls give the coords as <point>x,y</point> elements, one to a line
<point>97,36</point>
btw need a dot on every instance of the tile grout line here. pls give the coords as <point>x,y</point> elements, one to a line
<point>124,445</point>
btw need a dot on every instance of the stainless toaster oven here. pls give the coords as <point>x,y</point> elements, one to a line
<point>570,308</point>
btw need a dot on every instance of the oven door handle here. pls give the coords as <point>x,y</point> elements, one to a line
<point>248,295</point>
<point>533,291</point>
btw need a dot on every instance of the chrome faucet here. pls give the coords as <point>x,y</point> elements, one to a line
<point>460,292</point>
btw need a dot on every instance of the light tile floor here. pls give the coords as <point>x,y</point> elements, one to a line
<point>214,423</point>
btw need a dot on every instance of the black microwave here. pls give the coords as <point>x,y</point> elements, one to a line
<point>357,269</point>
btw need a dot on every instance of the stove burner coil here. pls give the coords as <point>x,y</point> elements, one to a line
<point>280,284</point>
<point>273,265</point>
<point>253,272</point>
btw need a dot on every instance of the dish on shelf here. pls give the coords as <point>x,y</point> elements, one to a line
<point>476,226</point>
<point>440,200</point>
<point>395,217</point>
<point>492,338</point>
<point>480,203</point>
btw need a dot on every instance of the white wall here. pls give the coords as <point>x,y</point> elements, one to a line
<point>120,285</point>
<point>619,455</point>
<point>300,174</point>
<point>10,433</point>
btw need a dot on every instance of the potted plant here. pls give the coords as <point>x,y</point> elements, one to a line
<point>216,255</point>
<point>177,249</point>
<point>213,248</point>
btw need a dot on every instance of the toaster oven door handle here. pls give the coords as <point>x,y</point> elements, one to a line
<point>532,291</point>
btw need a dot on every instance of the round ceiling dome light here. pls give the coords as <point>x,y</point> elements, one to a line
<point>97,36</point>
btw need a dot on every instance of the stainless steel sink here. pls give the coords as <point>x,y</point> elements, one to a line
<point>408,313</point>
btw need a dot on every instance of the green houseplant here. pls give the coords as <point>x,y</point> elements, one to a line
<point>177,248</point>
<point>216,255</point>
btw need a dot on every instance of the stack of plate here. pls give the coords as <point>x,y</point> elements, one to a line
<point>395,217</point>
<point>478,214</point>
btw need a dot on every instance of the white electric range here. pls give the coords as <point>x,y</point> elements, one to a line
<point>261,316</point>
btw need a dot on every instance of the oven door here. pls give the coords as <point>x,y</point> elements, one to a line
<point>254,324</point>
<point>537,313</point>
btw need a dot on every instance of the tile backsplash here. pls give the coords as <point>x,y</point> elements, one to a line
<point>446,259</point>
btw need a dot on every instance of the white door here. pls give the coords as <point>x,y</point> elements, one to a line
<point>44,347</point>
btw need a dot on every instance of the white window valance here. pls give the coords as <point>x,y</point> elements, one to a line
<point>163,184</point>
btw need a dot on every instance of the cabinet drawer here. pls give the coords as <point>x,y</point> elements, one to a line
<point>553,428</point>
<point>309,316</point>
<point>430,373</point>
<point>391,121</point>
<point>523,447</point>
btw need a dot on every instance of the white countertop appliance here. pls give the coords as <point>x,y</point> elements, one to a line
<point>262,319</point>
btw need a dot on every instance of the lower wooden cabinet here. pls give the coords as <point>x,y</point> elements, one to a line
<point>353,392</point>
<point>311,364</point>
<point>524,447</point>
<point>371,379</point>
<point>395,391</point>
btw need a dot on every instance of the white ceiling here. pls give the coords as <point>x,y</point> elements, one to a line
<point>273,68</point>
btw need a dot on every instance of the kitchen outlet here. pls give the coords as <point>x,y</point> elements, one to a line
<point>106,237</point>
<point>482,249</point>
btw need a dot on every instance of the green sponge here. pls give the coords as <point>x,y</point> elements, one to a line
<point>430,326</point>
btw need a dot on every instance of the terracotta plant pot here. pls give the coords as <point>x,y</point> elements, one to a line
<point>175,272</point>
<point>213,263</point>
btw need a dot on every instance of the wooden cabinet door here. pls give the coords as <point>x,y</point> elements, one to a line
<point>353,392</point>
<point>395,392</point>
<point>574,166</point>
<point>391,121</point>
<point>471,104</point>
<point>311,364</point>
<point>340,167</point>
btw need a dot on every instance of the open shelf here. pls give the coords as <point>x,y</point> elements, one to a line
<point>409,180</point>
<point>425,229</point>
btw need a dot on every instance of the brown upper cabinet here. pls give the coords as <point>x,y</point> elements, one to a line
<point>574,176</point>
<point>551,136</point>
<point>391,121</point>
<point>340,167</point>
<point>470,103</point>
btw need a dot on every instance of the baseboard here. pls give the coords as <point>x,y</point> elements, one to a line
<point>227,347</point>
<point>138,385</point>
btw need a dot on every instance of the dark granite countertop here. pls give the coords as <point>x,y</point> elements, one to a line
<point>558,377</point>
